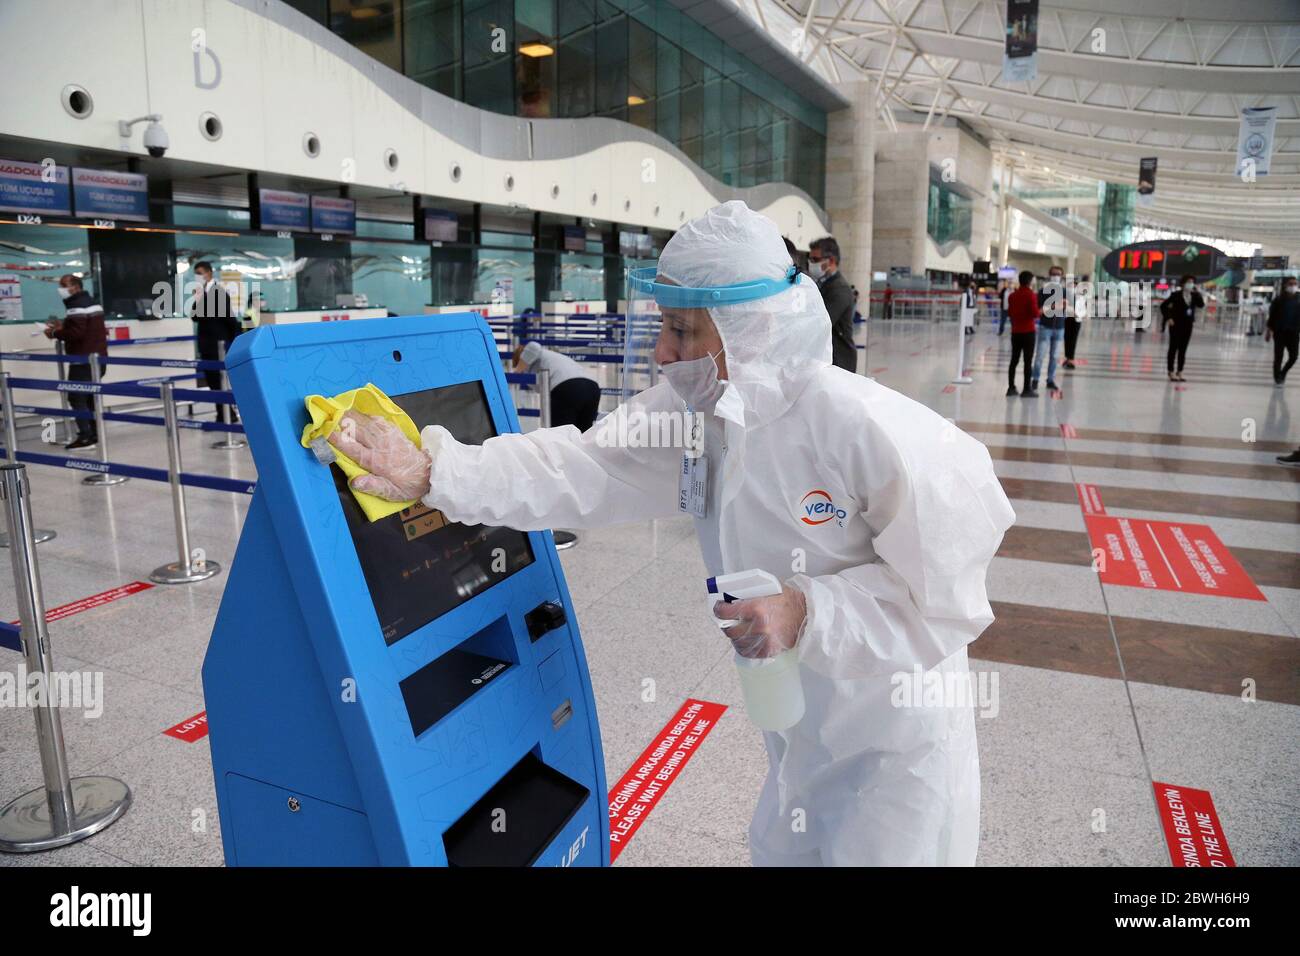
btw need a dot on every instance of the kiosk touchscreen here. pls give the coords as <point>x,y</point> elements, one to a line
<point>408,691</point>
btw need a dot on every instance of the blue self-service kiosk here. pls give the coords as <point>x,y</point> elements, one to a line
<point>410,691</point>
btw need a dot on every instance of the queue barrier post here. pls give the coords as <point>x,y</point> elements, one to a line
<point>101,478</point>
<point>544,397</point>
<point>563,539</point>
<point>229,441</point>
<point>39,535</point>
<point>64,809</point>
<point>69,426</point>
<point>186,569</point>
<point>961,378</point>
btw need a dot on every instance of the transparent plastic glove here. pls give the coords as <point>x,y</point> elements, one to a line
<point>399,469</point>
<point>766,626</point>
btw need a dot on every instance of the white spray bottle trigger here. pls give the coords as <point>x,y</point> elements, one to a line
<point>739,586</point>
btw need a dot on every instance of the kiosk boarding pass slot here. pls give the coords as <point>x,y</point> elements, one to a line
<point>391,679</point>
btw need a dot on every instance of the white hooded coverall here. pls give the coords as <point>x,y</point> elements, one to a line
<point>894,577</point>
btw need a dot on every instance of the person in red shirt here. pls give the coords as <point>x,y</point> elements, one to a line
<point>1022,309</point>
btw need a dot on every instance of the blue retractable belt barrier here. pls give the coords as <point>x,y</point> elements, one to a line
<point>238,485</point>
<point>11,636</point>
<point>152,340</point>
<point>44,357</point>
<point>206,365</point>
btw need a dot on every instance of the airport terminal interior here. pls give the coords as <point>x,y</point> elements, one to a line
<point>1069,230</point>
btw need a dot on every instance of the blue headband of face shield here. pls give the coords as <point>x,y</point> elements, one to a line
<point>683,297</point>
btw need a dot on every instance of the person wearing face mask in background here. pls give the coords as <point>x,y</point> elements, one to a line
<point>1179,313</point>
<point>906,516</point>
<point>1051,325</point>
<point>216,323</point>
<point>82,333</point>
<point>575,391</point>
<point>824,266</point>
<point>1284,326</point>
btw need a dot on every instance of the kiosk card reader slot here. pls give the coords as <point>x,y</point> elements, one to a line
<point>377,691</point>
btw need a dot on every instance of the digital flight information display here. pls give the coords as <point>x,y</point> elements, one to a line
<point>417,564</point>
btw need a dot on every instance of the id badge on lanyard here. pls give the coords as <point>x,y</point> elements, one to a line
<point>693,479</point>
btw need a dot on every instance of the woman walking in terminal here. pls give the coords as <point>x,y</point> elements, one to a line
<point>1179,313</point>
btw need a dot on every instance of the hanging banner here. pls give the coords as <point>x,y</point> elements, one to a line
<point>1146,181</point>
<point>1255,141</point>
<point>105,194</point>
<point>34,188</point>
<point>1020,59</point>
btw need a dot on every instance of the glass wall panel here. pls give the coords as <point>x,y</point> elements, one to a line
<point>431,33</point>
<point>372,26</point>
<point>487,49</point>
<point>38,255</point>
<point>642,54</point>
<point>611,67</point>
<point>535,62</point>
<point>392,275</point>
<point>265,263</point>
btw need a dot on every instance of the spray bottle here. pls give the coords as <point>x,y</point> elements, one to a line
<point>770,686</point>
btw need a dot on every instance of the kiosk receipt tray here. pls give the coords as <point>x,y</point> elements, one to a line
<point>442,685</point>
<point>537,800</point>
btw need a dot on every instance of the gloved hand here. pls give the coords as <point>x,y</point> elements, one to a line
<point>766,626</point>
<point>399,469</point>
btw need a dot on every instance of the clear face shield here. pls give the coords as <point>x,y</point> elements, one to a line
<point>669,332</point>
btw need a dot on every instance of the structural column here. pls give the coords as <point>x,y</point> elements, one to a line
<point>850,178</point>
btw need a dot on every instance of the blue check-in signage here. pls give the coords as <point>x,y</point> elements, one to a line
<point>35,188</point>
<point>106,194</point>
<point>284,210</point>
<point>332,215</point>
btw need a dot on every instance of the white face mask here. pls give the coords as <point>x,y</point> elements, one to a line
<point>65,293</point>
<point>696,382</point>
<point>816,269</point>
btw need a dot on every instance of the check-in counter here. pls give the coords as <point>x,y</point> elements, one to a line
<point>489,310</point>
<point>575,307</point>
<point>28,336</point>
<point>298,316</point>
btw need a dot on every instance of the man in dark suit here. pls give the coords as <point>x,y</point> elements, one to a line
<point>214,315</point>
<point>837,294</point>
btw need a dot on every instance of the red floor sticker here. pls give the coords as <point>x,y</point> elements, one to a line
<point>192,730</point>
<point>1069,432</point>
<point>1192,828</point>
<point>949,388</point>
<point>645,782</point>
<point>1090,499</point>
<point>95,600</point>
<point>1168,556</point>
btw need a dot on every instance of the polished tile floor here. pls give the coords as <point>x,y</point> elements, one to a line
<point>1102,689</point>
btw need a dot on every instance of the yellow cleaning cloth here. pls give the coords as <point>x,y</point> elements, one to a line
<point>325,414</point>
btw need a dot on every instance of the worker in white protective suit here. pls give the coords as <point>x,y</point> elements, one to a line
<point>880,517</point>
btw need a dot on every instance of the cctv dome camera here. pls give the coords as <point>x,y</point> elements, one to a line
<point>155,140</point>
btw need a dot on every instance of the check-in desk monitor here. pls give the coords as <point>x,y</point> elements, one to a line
<point>408,691</point>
